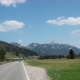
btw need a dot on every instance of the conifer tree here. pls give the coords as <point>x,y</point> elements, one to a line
<point>71,54</point>
<point>2,55</point>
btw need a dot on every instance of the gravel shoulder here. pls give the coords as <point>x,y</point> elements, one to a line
<point>36,73</point>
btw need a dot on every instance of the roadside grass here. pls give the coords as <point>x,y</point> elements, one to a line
<point>11,57</point>
<point>7,56</point>
<point>59,69</point>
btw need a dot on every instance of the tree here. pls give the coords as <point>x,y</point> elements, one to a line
<point>2,55</point>
<point>71,54</point>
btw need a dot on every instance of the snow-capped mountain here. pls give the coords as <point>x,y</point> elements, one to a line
<point>52,48</point>
<point>53,42</point>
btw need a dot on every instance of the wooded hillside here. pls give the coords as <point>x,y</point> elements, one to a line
<point>16,50</point>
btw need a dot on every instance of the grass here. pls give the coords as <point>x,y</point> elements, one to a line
<point>9,57</point>
<point>6,59</point>
<point>59,69</point>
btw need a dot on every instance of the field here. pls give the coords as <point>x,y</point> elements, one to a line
<point>59,69</point>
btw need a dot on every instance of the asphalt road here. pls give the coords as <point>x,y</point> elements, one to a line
<point>13,71</point>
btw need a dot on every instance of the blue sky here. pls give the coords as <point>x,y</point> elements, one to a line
<point>40,21</point>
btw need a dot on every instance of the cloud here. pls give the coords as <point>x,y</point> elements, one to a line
<point>75,33</point>
<point>62,20</point>
<point>19,41</point>
<point>11,2</point>
<point>10,25</point>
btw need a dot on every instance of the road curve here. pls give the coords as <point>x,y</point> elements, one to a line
<point>12,71</point>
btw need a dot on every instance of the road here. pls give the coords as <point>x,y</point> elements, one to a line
<point>13,71</point>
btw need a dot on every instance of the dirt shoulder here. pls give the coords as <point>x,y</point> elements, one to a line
<point>36,73</point>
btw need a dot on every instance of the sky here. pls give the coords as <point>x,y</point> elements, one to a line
<point>40,21</point>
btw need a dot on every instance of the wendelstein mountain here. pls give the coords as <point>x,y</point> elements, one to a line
<point>52,48</point>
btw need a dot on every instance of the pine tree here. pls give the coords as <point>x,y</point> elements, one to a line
<point>71,54</point>
<point>2,55</point>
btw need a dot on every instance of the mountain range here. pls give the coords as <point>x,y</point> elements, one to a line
<point>16,44</point>
<point>16,49</point>
<point>52,48</point>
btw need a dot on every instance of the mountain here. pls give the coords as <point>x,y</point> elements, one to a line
<point>52,48</point>
<point>15,44</point>
<point>16,50</point>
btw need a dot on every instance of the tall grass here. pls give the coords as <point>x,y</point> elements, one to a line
<point>59,69</point>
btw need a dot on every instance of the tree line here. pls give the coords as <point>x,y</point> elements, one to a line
<point>71,55</point>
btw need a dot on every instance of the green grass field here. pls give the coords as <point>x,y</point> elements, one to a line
<point>9,57</point>
<point>59,69</point>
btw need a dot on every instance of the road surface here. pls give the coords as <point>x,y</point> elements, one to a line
<point>13,71</point>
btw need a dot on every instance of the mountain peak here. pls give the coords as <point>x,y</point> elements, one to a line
<point>53,42</point>
<point>16,44</point>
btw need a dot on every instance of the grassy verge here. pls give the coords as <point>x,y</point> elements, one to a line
<point>59,69</point>
<point>9,58</point>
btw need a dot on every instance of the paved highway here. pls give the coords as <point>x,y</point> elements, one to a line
<point>13,71</point>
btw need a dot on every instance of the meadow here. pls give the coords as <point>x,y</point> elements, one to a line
<point>59,69</point>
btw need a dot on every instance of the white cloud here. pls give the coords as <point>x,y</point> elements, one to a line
<point>10,25</point>
<point>19,41</point>
<point>75,33</point>
<point>11,2</point>
<point>62,20</point>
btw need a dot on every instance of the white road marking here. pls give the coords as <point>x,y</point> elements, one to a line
<point>25,71</point>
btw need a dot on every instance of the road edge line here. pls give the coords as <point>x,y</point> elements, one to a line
<point>25,71</point>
